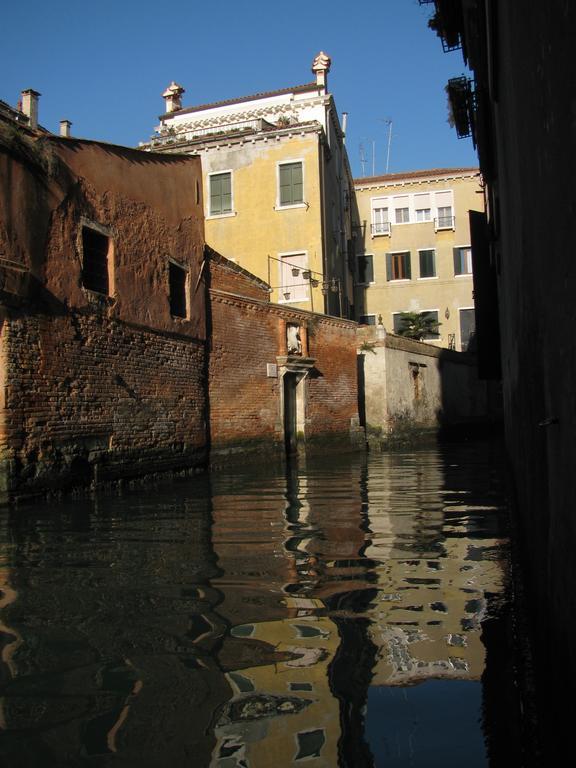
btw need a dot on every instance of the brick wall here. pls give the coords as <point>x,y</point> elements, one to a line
<point>90,397</point>
<point>98,386</point>
<point>245,405</point>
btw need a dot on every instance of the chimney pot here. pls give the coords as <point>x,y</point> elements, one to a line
<point>65,126</point>
<point>30,106</point>
<point>173,97</point>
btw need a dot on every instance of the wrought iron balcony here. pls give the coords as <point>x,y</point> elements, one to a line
<point>444,222</point>
<point>382,228</point>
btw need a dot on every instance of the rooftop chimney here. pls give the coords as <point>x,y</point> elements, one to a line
<point>344,125</point>
<point>30,106</point>
<point>321,67</point>
<point>173,97</point>
<point>65,128</point>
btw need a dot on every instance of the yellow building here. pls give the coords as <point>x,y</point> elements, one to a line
<point>277,186</point>
<point>415,254</point>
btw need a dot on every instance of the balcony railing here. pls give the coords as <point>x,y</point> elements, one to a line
<point>444,222</point>
<point>382,228</point>
<point>187,132</point>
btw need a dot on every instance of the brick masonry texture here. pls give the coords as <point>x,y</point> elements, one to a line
<point>246,335</point>
<point>93,396</point>
<point>94,386</point>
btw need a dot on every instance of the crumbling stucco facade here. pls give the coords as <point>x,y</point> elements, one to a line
<point>102,348</point>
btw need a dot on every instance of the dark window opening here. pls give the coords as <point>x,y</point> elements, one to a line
<point>310,743</point>
<point>95,247</point>
<point>427,263</point>
<point>177,277</point>
<point>365,270</point>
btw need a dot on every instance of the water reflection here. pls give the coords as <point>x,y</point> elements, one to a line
<point>331,613</point>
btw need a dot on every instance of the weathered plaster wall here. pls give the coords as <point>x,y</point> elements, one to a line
<point>247,333</point>
<point>411,385</point>
<point>98,386</point>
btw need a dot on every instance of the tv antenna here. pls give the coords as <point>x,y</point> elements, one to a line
<point>362,158</point>
<point>388,121</point>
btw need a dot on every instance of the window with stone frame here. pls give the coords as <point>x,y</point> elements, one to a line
<point>220,193</point>
<point>291,183</point>
<point>398,266</point>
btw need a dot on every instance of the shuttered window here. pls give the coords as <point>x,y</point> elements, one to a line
<point>427,263</point>
<point>398,266</point>
<point>291,186</point>
<point>220,193</point>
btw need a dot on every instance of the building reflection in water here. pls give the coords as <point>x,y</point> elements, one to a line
<point>329,614</point>
<point>115,623</point>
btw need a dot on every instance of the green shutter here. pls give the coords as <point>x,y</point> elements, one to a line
<point>407,266</point>
<point>297,188</point>
<point>291,187</point>
<point>220,193</point>
<point>226,188</point>
<point>369,273</point>
<point>389,274</point>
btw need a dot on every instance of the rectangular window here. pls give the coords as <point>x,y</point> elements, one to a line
<point>402,215</point>
<point>444,210</point>
<point>365,269</point>
<point>463,260</point>
<point>220,193</point>
<point>291,187</point>
<point>423,214</point>
<point>177,279</point>
<point>95,255</point>
<point>427,263</point>
<point>294,285</point>
<point>398,266</point>
<point>380,222</point>
<point>467,327</point>
<point>445,219</point>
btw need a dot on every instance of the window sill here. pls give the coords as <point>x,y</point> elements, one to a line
<point>291,207</point>
<point>221,215</point>
<point>401,281</point>
<point>381,234</point>
<point>435,277</point>
<point>464,274</point>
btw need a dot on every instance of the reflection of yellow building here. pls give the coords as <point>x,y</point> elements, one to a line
<point>416,254</point>
<point>283,712</point>
<point>277,186</point>
<point>432,581</point>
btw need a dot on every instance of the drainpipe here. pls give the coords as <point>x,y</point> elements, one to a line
<point>323,216</point>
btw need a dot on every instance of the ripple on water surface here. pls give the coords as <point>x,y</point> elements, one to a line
<point>332,612</point>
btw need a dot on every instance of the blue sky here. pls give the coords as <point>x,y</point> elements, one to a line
<point>104,66</point>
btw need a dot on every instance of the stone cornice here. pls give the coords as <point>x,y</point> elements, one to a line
<point>258,305</point>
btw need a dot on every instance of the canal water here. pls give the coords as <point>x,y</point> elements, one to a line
<point>344,612</point>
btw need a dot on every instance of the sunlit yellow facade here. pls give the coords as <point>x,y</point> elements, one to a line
<point>277,187</point>
<point>416,250</point>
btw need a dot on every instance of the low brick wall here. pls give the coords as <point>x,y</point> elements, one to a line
<point>89,398</point>
<point>248,333</point>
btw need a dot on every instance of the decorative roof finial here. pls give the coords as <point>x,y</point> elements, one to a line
<point>321,67</point>
<point>173,97</point>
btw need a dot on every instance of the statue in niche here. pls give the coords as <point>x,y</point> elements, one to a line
<point>293,341</point>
